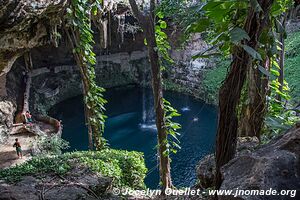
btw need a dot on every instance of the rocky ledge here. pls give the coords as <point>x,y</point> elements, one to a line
<point>275,165</point>
<point>85,184</point>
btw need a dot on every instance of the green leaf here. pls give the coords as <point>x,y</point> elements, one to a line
<point>274,72</point>
<point>264,71</point>
<point>255,5</point>
<point>160,15</point>
<point>200,26</point>
<point>69,11</point>
<point>163,24</point>
<point>254,54</point>
<point>237,34</point>
<point>205,55</point>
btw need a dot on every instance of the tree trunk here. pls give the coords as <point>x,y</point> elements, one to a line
<point>281,58</point>
<point>253,113</point>
<point>230,91</point>
<point>92,129</point>
<point>148,23</point>
<point>257,103</point>
<point>159,108</point>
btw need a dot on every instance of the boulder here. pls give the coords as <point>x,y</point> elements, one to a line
<point>206,171</point>
<point>206,167</point>
<point>275,165</point>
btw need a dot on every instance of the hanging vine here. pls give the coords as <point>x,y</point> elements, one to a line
<point>80,34</point>
<point>172,142</point>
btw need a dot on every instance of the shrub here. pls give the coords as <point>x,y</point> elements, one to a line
<point>126,168</point>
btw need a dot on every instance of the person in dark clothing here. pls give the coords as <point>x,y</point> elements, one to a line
<point>18,148</point>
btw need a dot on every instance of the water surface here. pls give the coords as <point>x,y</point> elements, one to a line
<point>130,126</point>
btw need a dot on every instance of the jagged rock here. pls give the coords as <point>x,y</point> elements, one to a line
<point>206,167</point>
<point>275,165</point>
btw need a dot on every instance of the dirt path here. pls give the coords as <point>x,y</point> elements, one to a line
<point>8,155</point>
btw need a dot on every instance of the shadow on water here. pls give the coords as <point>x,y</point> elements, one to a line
<point>130,126</point>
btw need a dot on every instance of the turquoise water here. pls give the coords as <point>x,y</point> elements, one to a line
<point>130,126</point>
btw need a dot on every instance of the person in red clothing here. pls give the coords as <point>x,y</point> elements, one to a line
<point>28,117</point>
<point>18,148</point>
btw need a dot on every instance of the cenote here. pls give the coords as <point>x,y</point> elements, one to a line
<point>130,126</point>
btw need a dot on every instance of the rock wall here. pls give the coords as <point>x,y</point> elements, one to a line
<point>121,61</point>
<point>25,25</point>
<point>54,84</point>
<point>187,73</point>
<point>7,107</point>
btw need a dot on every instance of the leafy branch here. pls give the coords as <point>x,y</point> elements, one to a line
<point>172,141</point>
<point>80,34</point>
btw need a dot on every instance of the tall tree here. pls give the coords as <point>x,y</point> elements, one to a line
<point>147,22</point>
<point>254,110</point>
<point>80,36</point>
<point>230,91</point>
<point>281,53</point>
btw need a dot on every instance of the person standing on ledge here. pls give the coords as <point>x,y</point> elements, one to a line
<point>18,148</point>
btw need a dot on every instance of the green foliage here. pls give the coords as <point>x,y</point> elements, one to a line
<point>213,79</point>
<point>172,143</point>
<point>223,22</point>
<point>35,166</point>
<point>292,69</point>
<point>279,117</point>
<point>126,168</point>
<point>51,145</point>
<point>163,45</point>
<point>78,15</point>
<point>180,12</point>
<point>172,86</point>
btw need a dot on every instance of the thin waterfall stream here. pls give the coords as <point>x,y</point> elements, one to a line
<point>131,126</point>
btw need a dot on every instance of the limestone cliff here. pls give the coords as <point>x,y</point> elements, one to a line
<point>35,27</point>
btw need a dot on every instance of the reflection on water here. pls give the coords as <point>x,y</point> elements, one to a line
<point>131,126</point>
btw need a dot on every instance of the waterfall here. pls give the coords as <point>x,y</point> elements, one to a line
<point>185,107</point>
<point>148,114</point>
<point>144,105</point>
<point>121,26</point>
<point>104,26</point>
